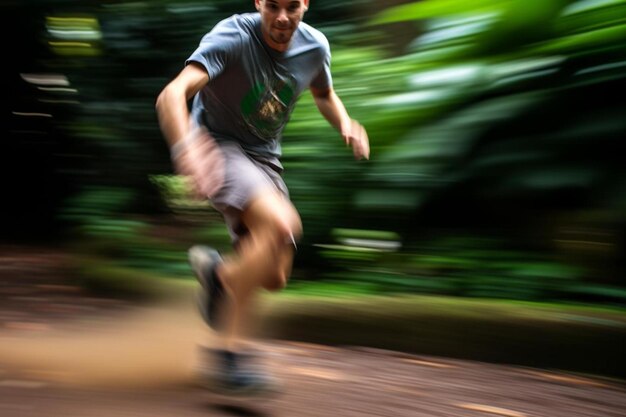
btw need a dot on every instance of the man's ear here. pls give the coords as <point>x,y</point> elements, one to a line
<point>257,4</point>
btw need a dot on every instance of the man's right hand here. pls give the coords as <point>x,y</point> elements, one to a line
<point>199,158</point>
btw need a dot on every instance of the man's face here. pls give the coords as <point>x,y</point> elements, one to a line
<point>280,19</point>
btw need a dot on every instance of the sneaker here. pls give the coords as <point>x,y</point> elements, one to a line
<point>204,260</point>
<point>234,374</point>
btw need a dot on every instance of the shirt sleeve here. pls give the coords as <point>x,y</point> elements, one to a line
<point>324,79</point>
<point>218,47</point>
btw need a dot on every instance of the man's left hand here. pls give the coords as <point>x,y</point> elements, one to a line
<point>356,137</point>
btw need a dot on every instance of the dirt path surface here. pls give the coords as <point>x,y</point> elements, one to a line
<point>337,382</point>
<point>65,353</point>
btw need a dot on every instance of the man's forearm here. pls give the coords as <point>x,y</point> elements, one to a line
<point>333,110</point>
<point>353,133</point>
<point>173,115</point>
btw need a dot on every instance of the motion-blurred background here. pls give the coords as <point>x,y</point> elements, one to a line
<point>495,173</point>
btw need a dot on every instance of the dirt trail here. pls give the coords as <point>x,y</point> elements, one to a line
<point>64,353</point>
<point>139,362</point>
<point>138,348</point>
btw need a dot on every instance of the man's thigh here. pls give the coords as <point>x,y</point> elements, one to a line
<point>247,181</point>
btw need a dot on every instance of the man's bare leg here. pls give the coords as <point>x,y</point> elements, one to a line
<point>264,260</point>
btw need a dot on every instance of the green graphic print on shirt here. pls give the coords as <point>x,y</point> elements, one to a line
<point>266,109</point>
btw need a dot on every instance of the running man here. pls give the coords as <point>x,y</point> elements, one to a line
<point>243,81</point>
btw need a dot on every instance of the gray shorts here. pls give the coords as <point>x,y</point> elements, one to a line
<point>244,178</point>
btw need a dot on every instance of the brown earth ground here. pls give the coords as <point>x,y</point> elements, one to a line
<point>64,352</point>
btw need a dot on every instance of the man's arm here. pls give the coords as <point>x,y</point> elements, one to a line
<point>194,153</point>
<point>353,133</point>
<point>171,105</point>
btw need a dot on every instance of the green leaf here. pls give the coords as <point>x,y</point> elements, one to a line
<point>430,9</point>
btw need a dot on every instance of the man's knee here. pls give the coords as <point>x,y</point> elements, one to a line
<point>276,283</point>
<point>284,232</point>
<point>275,216</point>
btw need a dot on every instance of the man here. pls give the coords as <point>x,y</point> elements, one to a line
<point>245,78</point>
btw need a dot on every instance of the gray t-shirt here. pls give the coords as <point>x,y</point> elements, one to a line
<point>253,88</point>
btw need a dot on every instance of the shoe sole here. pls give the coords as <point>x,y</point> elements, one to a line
<point>241,393</point>
<point>202,259</point>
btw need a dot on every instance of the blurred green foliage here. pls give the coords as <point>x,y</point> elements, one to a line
<point>495,127</point>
